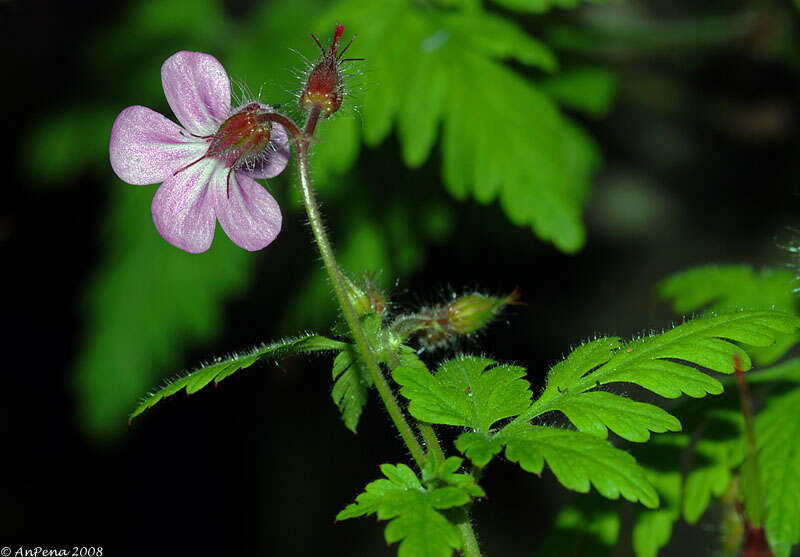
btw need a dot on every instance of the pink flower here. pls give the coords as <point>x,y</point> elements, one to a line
<point>208,165</point>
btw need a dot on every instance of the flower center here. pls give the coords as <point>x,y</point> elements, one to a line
<point>240,139</point>
<point>242,136</point>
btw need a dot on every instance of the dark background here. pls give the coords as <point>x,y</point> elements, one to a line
<point>700,165</point>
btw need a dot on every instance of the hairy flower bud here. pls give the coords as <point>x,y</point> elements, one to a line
<point>438,325</point>
<point>324,86</point>
<point>364,295</point>
<point>470,313</point>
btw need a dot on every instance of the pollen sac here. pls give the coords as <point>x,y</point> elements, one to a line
<point>244,135</point>
<point>324,87</point>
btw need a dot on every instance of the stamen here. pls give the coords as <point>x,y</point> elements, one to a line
<point>319,44</point>
<point>188,165</point>
<point>346,47</point>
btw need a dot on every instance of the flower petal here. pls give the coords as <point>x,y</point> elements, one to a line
<point>198,90</point>
<point>183,207</point>
<point>146,147</point>
<point>275,157</point>
<point>249,215</point>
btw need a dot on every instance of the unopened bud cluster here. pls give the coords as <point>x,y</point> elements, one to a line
<point>438,325</point>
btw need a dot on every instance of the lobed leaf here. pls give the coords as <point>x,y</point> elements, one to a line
<point>665,363</point>
<point>578,461</point>
<point>413,511</point>
<point>596,412</point>
<point>223,368</point>
<point>467,391</point>
<point>450,59</point>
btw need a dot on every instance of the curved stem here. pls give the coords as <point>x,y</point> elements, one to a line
<point>469,541</point>
<point>362,344</point>
<point>302,139</point>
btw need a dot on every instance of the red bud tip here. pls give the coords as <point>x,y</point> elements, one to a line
<point>336,36</point>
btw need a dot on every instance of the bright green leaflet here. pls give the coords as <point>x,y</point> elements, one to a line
<point>413,511</point>
<point>578,460</point>
<point>468,391</point>
<point>223,368</point>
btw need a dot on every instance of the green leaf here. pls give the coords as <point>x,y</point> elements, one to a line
<point>596,412</point>
<point>413,510</point>
<point>578,461</point>
<point>663,363</point>
<point>478,447</point>
<point>588,526</point>
<point>145,306</point>
<point>63,146</point>
<point>223,368</point>
<point>450,59</point>
<point>662,462</point>
<point>652,531</point>
<point>350,388</point>
<point>498,37</point>
<point>589,90</point>
<point>724,288</point>
<point>447,474</point>
<point>777,433</point>
<point>467,391</point>
<point>716,453</point>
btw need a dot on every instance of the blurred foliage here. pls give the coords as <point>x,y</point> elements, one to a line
<point>721,288</point>
<point>428,67</point>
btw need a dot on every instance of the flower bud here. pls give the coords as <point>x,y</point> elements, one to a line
<point>439,325</point>
<point>324,86</point>
<point>470,313</point>
<point>364,295</point>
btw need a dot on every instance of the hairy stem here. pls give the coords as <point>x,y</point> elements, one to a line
<point>339,288</point>
<point>468,539</point>
<point>303,139</point>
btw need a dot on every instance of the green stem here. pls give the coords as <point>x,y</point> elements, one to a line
<point>362,344</point>
<point>469,542</point>
<point>468,539</point>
